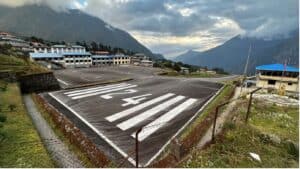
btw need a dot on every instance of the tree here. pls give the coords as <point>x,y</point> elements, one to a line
<point>177,67</point>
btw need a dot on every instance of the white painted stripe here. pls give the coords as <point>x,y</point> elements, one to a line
<point>163,120</point>
<point>184,126</point>
<point>102,92</point>
<point>100,87</point>
<point>134,109</point>
<point>63,82</point>
<point>149,113</point>
<point>97,90</point>
<point>124,154</point>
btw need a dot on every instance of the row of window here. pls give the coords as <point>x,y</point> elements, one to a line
<point>76,56</point>
<point>39,59</point>
<point>72,61</point>
<point>121,62</point>
<point>273,82</point>
<point>102,58</point>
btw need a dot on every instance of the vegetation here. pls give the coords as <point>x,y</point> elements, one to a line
<point>18,63</point>
<point>222,97</point>
<point>82,157</point>
<point>174,65</point>
<point>272,133</point>
<point>20,144</point>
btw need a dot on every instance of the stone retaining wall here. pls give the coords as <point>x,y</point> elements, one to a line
<point>38,82</point>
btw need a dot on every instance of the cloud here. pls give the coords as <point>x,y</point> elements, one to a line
<point>57,5</point>
<point>179,25</point>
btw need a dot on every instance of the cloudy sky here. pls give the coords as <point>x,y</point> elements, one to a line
<point>172,27</point>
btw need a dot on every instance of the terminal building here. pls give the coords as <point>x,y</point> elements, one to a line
<point>278,76</point>
<point>108,60</point>
<point>139,59</point>
<point>77,56</point>
<point>68,56</point>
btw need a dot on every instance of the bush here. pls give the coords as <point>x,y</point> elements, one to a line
<point>2,118</point>
<point>229,125</point>
<point>12,107</point>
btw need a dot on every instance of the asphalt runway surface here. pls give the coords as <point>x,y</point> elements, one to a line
<point>111,114</point>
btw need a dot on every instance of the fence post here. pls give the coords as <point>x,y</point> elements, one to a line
<point>249,104</point>
<point>214,125</point>
<point>137,147</point>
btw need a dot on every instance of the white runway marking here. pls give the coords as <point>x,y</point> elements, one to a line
<point>124,154</point>
<point>135,100</point>
<point>97,90</point>
<point>94,88</point>
<point>63,82</point>
<point>162,120</point>
<point>110,95</point>
<point>127,112</point>
<point>149,113</point>
<point>102,92</point>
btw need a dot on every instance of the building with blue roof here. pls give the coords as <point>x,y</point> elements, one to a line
<point>69,56</point>
<point>278,76</point>
<point>76,56</point>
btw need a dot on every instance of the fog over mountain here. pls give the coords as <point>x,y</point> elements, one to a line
<point>232,55</point>
<point>68,25</point>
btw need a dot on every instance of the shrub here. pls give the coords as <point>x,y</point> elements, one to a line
<point>12,107</point>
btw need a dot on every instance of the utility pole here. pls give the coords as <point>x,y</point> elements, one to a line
<point>245,69</point>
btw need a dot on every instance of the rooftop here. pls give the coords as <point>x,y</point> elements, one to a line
<point>277,67</point>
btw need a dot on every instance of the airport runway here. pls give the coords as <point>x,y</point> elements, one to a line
<point>111,114</point>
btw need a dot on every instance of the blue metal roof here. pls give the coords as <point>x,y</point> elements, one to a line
<point>56,55</point>
<point>277,67</point>
<point>45,55</point>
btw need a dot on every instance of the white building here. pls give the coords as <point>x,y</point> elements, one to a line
<point>69,56</point>
<point>278,76</point>
<point>6,38</point>
<point>107,60</point>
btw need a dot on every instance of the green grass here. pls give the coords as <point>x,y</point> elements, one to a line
<point>192,75</point>
<point>232,148</point>
<point>208,109</point>
<point>20,144</point>
<point>82,156</point>
<point>281,121</point>
<point>19,64</point>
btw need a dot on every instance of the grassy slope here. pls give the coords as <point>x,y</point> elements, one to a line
<point>18,64</point>
<point>233,147</point>
<point>20,145</point>
<point>193,74</point>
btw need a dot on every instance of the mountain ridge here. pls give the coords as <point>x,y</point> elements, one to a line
<point>71,26</point>
<point>232,55</point>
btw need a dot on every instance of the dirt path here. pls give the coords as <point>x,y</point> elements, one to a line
<point>220,120</point>
<point>58,150</point>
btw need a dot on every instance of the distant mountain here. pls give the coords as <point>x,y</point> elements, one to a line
<point>232,55</point>
<point>69,26</point>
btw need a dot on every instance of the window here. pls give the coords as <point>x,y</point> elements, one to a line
<point>290,84</point>
<point>271,82</point>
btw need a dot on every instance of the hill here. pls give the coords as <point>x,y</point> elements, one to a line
<point>232,55</point>
<point>70,26</point>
